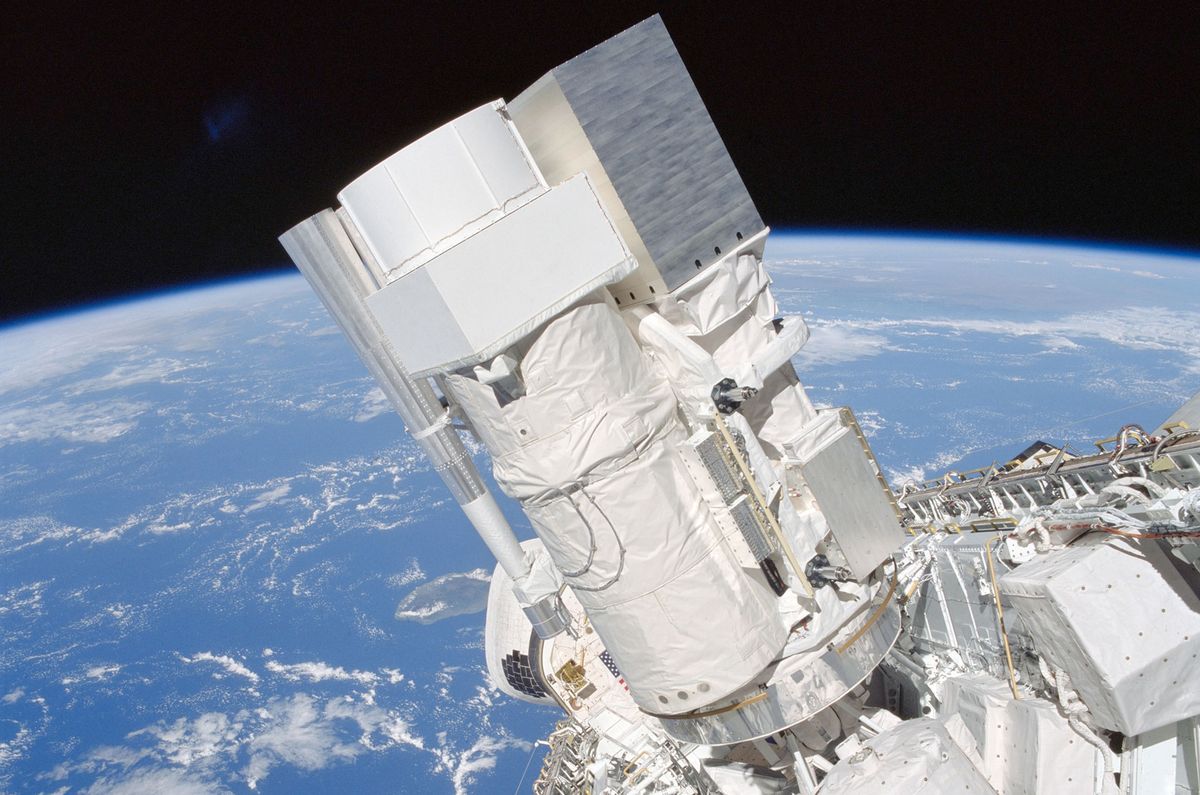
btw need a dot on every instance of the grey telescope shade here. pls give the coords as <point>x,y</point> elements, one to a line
<point>629,106</point>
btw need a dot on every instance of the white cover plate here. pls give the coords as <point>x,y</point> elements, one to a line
<point>441,188</point>
<point>479,297</point>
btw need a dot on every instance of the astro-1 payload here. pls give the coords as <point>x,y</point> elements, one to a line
<point>721,592</point>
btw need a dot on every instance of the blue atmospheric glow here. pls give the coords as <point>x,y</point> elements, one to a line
<point>146,295</point>
<point>834,236</point>
<point>987,237</point>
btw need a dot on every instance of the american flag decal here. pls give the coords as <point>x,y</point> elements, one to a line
<point>607,659</point>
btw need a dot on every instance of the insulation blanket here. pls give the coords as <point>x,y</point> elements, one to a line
<point>917,757</point>
<point>1027,747</point>
<point>730,312</point>
<point>1079,604</point>
<point>590,450</point>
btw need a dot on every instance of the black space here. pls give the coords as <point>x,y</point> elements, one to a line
<point>950,117</point>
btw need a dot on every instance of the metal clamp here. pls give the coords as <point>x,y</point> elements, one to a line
<point>441,422</point>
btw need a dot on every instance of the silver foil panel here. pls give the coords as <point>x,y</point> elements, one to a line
<point>630,104</point>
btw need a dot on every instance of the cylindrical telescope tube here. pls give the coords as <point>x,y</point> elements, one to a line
<point>324,253</point>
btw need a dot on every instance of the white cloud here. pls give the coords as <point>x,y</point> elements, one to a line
<point>96,673</point>
<point>413,573</point>
<point>155,781</point>
<point>833,343</point>
<point>228,663</point>
<point>187,742</point>
<point>25,600</point>
<point>39,352</point>
<point>13,749</point>
<point>27,531</point>
<point>103,671</point>
<point>159,528</point>
<point>1138,328</point>
<point>375,404</point>
<point>299,732</point>
<point>1142,273</point>
<point>422,613</point>
<point>126,374</point>
<point>94,423</point>
<point>1055,342</point>
<point>1095,266</point>
<point>194,755</point>
<point>307,734</point>
<point>465,767</point>
<point>871,422</point>
<point>269,497</point>
<point>320,672</point>
<point>919,473</point>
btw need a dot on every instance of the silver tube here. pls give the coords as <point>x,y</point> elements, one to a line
<point>325,254</point>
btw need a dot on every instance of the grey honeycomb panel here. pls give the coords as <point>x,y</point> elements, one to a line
<point>641,112</point>
<point>858,513</point>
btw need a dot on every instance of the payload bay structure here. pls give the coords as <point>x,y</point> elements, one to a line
<point>723,594</point>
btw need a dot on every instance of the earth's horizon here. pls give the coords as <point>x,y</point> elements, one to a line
<point>285,269</point>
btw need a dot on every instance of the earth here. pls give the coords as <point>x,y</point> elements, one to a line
<point>224,567</point>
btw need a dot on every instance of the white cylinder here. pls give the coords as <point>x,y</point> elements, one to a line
<point>442,188</point>
<point>591,451</point>
<point>489,522</point>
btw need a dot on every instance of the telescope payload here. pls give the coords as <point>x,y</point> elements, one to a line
<point>723,594</point>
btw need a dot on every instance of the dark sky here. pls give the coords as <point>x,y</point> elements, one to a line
<point>151,146</point>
